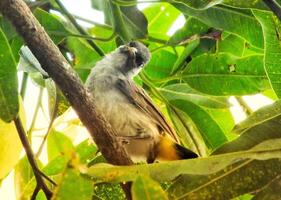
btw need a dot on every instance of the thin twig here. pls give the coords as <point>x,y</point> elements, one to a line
<point>39,99</point>
<point>274,6</point>
<point>31,158</point>
<point>248,110</point>
<point>78,27</point>
<point>53,117</point>
<point>88,37</point>
<point>93,22</point>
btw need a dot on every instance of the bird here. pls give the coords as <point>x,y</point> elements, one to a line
<point>138,123</point>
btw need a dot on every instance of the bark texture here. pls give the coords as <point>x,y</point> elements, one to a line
<point>67,80</point>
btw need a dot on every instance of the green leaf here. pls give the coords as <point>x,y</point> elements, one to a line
<point>224,74</point>
<point>73,186</point>
<point>57,102</point>
<point>59,144</point>
<point>247,4</point>
<point>108,191</point>
<point>187,131</point>
<point>160,64</point>
<point>86,151</point>
<point>9,103</point>
<point>160,18</point>
<point>10,144</point>
<point>128,22</point>
<point>23,174</point>
<point>200,4</point>
<point>232,44</point>
<point>261,126</point>
<point>242,177</point>
<point>167,171</point>
<point>271,191</point>
<point>191,27</point>
<point>203,121</point>
<point>185,92</point>
<point>271,31</point>
<point>184,56</point>
<point>224,118</point>
<point>101,32</point>
<point>83,60</point>
<point>52,24</point>
<point>237,21</point>
<point>29,63</point>
<point>259,117</point>
<point>144,188</point>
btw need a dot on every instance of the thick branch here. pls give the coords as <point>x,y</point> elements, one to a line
<point>67,80</point>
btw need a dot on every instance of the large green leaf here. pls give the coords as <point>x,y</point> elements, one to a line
<point>160,64</point>
<point>160,18</point>
<point>271,191</point>
<point>246,4</point>
<point>261,116</point>
<point>128,22</point>
<point>23,174</point>
<point>211,132</point>
<point>238,21</point>
<point>183,57</point>
<point>144,188</point>
<point>9,104</point>
<point>271,31</point>
<point>232,44</point>
<point>10,147</point>
<point>73,186</point>
<point>59,144</point>
<point>83,60</point>
<point>101,32</point>
<point>187,131</point>
<point>167,171</point>
<point>224,74</point>
<point>240,178</point>
<point>185,92</point>
<point>191,27</point>
<point>10,144</point>
<point>261,126</point>
<point>200,4</point>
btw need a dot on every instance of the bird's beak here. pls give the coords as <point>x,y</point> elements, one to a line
<point>131,50</point>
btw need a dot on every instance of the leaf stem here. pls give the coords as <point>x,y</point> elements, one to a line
<point>31,158</point>
<point>78,27</point>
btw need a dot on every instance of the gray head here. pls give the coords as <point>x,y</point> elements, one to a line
<point>136,55</point>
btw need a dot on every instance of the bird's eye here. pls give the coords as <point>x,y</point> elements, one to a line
<point>132,44</point>
<point>139,60</point>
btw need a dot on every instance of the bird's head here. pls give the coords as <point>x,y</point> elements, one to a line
<point>136,54</point>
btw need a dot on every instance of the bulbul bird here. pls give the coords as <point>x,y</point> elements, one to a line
<point>141,127</point>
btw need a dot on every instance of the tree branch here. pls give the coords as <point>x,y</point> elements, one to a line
<point>30,156</point>
<point>274,6</point>
<point>53,62</point>
<point>67,80</point>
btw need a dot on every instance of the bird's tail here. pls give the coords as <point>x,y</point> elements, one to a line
<point>167,149</point>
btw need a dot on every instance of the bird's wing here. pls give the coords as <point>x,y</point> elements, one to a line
<point>138,97</point>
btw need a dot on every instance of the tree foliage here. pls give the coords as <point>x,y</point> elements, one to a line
<point>224,49</point>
